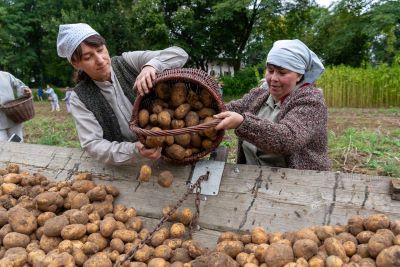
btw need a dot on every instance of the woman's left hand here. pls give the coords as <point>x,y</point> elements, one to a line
<point>144,81</point>
<point>230,120</point>
<point>150,153</point>
<point>27,91</point>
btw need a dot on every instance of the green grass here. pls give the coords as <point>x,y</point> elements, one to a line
<point>367,150</point>
<point>47,131</point>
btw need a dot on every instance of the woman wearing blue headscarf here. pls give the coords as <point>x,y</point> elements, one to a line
<point>283,123</point>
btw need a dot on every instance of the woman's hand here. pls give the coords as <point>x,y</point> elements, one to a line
<point>27,91</point>
<point>150,153</point>
<point>230,120</point>
<point>144,81</point>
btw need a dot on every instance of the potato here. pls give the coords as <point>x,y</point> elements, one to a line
<point>206,112</point>
<point>54,226</point>
<point>98,193</point>
<point>334,261</point>
<point>305,248</point>
<point>334,247</point>
<point>22,221</point>
<point>182,139</point>
<point>156,108</point>
<point>214,259</point>
<point>173,243</point>
<point>36,257</point>
<point>395,227</point>
<point>117,244</point>
<point>191,119</point>
<point>83,186</point>
<point>143,118</point>
<point>154,141</point>
<point>377,243</point>
<point>13,178</point>
<point>159,237</point>
<point>206,98</point>
<point>165,178</point>
<point>324,232</point>
<point>175,151</point>
<point>232,248</point>
<point>15,257</point>
<point>164,119</point>
<point>350,248</point>
<point>245,238</point>
<point>108,226</point>
<point>15,239</point>
<point>259,235</point>
<point>178,94</point>
<point>356,224</point>
<point>48,243</point>
<point>343,237</point>
<point>98,239</point>
<point>73,231</point>
<point>78,216</point>
<point>389,257</point>
<point>98,260</point>
<point>362,250</point>
<point>134,223</point>
<point>145,173</point>
<point>181,111</point>
<point>180,254</point>
<point>207,144</point>
<point>125,235</point>
<point>186,216</point>
<point>364,236</point>
<point>163,251</point>
<point>79,201</point>
<point>83,176</point>
<point>316,261</point>
<point>177,230</point>
<point>278,255</point>
<point>163,91</point>
<point>143,254</point>
<point>177,124</point>
<point>90,248</point>
<point>376,221</point>
<point>157,262</point>
<point>154,119</point>
<point>396,240</point>
<point>12,168</point>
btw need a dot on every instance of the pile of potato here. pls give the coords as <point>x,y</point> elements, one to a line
<point>75,223</point>
<point>175,106</point>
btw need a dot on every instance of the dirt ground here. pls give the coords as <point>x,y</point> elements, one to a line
<point>384,120</point>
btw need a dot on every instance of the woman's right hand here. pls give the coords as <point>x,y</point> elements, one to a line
<point>230,120</point>
<point>150,153</point>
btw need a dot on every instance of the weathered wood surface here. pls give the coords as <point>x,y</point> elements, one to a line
<point>249,196</point>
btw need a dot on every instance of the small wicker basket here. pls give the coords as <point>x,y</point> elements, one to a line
<point>20,109</point>
<point>195,80</point>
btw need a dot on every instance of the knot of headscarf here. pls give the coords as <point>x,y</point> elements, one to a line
<point>294,55</point>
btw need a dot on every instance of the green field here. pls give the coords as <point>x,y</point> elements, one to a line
<point>363,141</point>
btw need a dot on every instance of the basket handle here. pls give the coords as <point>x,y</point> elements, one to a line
<point>191,129</point>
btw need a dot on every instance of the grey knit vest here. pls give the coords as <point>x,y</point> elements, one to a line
<point>89,93</point>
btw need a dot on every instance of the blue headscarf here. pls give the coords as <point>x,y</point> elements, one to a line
<point>294,55</point>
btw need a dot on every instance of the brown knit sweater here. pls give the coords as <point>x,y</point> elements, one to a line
<point>300,133</point>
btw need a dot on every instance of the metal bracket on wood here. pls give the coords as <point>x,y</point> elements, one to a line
<point>395,189</point>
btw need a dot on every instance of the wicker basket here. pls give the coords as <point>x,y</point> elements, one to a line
<point>20,109</point>
<point>195,80</point>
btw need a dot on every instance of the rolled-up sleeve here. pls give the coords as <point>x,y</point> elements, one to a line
<point>91,137</point>
<point>18,85</point>
<point>169,58</point>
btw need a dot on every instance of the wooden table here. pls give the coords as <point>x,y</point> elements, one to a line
<point>249,196</point>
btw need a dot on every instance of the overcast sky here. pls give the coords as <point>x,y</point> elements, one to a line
<point>324,3</point>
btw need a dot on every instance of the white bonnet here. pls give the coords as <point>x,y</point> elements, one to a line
<point>70,36</point>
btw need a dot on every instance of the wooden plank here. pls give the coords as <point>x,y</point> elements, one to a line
<point>277,199</point>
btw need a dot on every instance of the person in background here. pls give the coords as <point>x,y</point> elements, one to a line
<point>8,83</point>
<point>283,122</point>
<point>101,102</point>
<point>67,99</point>
<point>40,93</point>
<point>53,98</point>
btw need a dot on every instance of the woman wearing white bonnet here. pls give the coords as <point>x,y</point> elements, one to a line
<point>101,102</point>
<point>283,123</point>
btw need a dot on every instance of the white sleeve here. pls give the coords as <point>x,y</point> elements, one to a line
<point>170,58</point>
<point>91,137</point>
<point>17,85</point>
